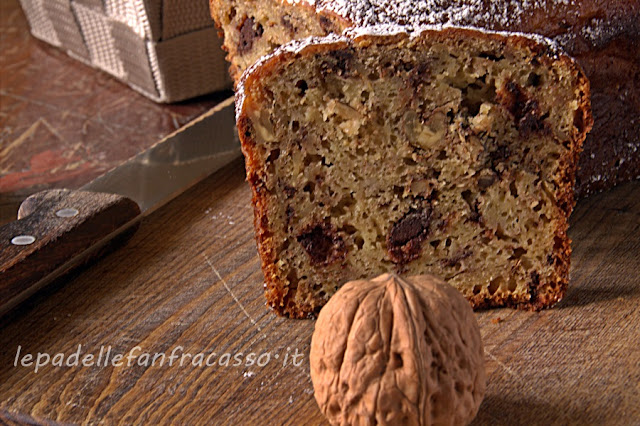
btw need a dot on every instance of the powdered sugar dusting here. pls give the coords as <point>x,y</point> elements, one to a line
<point>500,15</point>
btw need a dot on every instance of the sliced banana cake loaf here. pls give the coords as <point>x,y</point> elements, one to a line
<point>603,37</point>
<point>449,151</point>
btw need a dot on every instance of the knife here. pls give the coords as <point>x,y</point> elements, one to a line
<point>60,229</point>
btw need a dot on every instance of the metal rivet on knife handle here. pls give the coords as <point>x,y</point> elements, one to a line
<point>68,212</point>
<point>23,240</point>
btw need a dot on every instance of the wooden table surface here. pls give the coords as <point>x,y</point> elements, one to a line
<point>62,123</point>
<point>189,282</point>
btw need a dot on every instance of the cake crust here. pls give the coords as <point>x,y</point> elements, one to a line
<point>299,299</point>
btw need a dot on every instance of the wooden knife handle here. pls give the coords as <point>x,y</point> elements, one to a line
<point>52,228</point>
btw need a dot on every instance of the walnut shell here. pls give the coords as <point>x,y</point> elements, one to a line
<point>398,351</point>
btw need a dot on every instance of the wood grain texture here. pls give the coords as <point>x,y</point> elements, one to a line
<point>7,418</point>
<point>63,123</point>
<point>190,278</point>
<point>63,224</point>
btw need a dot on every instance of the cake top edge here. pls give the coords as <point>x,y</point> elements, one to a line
<point>295,47</point>
<point>415,31</point>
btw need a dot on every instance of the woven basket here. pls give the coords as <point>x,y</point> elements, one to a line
<point>168,50</point>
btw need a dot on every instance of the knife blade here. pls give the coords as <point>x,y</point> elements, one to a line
<point>60,229</point>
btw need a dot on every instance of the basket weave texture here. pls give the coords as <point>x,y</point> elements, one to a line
<point>168,50</point>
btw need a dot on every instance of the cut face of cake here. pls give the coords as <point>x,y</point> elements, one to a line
<point>445,151</point>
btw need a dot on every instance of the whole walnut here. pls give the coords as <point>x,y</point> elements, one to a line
<point>398,351</point>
